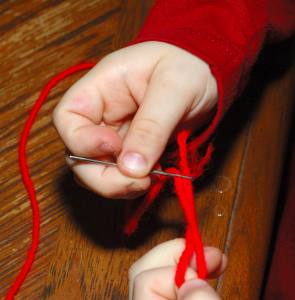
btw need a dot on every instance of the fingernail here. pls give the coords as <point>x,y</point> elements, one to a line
<point>134,162</point>
<point>107,148</point>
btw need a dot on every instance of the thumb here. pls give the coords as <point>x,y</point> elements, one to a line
<point>164,105</point>
<point>197,289</point>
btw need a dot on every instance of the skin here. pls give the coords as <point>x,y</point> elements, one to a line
<point>152,276</point>
<point>129,106</point>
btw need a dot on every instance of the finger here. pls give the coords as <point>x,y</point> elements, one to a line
<point>197,289</point>
<point>216,261</point>
<point>164,105</point>
<point>157,284</point>
<point>168,254</point>
<point>108,182</point>
<point>79,120</point>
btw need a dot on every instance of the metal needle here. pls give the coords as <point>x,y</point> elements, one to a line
<point>112,164</point>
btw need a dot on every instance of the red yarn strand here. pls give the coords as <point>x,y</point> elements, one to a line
<point>198,169</point>
<point>183,263</point>
<point>185,194</point>
<point>23,165</point>
<point>132,224</point>
<point>184,190</point>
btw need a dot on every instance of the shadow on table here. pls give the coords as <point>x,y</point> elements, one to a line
<point>103,220</point>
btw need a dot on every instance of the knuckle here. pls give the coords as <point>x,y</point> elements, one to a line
<point>148,130</point>
<point>180,82</point>
<point>169,78</point>
<point>187,75</point>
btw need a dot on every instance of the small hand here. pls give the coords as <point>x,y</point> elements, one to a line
<point>127,108</point>
<point>152,276</point>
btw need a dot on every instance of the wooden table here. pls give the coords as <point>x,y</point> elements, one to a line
<point>82,253</point>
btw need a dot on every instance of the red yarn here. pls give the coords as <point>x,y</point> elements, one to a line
<point>183,188</point>
<point>183,262</point>
<point>184,191</point>
<point>26,175</point>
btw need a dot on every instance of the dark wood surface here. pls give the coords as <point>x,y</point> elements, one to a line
<point>82,253</point>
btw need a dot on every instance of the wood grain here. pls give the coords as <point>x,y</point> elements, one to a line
<point>82,253</point>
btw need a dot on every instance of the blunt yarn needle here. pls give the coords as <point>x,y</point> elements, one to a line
<point>191,163</point>
<point>113,164</point>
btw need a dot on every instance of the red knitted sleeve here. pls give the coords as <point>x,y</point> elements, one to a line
<point>227,34</point>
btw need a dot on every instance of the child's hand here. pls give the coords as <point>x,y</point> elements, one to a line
<point>152,276</point>
<point>128,106</point>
